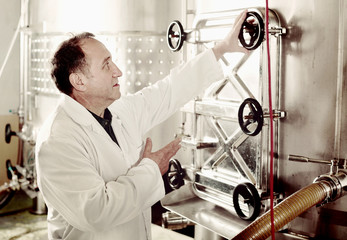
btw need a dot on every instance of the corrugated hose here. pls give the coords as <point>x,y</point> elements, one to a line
<point>285,212</point>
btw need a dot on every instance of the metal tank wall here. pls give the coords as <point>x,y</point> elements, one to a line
<point>102,16</point>
<point>10,14</point>
<point>313,94</point>
<point>313,86</point>
<point>133,31</point>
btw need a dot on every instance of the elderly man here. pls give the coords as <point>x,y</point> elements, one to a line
<point>97,177</point>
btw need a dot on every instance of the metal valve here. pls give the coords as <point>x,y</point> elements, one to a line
<point>9,133</point>
<point>175,36</point>
<point>335,181</point>
<point>255,116</point>
<point>175,174</point>
<point>252,31</point>
<point>246,194</point>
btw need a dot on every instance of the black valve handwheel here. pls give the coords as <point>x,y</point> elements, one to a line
<point>255,115</point>
<point>6,195</point>
<point>175,36</point>
<point>248,194</point>
<point>9,133</point>
<point>175,174</point>
<point>10,169</point>
<point>252,31</point>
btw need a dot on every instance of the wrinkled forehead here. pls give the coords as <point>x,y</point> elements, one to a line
<point>95,51</point>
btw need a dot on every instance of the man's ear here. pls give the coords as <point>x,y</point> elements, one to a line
<point>77,82</point>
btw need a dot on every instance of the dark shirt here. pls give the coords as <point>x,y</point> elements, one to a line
<point>106,123</point>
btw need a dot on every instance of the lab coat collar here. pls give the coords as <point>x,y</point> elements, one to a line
<point>80,114</point>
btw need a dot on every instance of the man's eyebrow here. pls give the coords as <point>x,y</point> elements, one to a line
<point>105,60</point>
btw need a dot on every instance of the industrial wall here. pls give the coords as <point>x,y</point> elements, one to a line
<point>9,80</point>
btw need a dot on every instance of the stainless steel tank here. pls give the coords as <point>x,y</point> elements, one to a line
<point>314,95</point>
<point>311,93</point>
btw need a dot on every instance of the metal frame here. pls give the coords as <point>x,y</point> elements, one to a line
<point>207,183</point>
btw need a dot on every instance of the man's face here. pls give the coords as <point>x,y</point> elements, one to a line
<point>102,87</point>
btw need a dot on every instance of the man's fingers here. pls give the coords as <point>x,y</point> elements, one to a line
<point>171,148</point>
<point>177,141</point>
<point>239,21</point>
<point>162,156</point>
<point>174,145</point>
<point>241,18</point>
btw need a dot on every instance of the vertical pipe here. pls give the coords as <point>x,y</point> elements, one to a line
<point>339,89</point>
<point>23,61</point>
<point>23,22</point>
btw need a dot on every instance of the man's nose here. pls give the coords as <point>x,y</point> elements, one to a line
<point>116,71</point>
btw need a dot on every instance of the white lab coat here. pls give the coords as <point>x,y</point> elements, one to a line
<point>94,189</point>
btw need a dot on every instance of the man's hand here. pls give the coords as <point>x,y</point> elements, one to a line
<point>231,42</point>
<point>162,156</point>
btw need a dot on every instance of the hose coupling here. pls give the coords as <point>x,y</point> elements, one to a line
<point>335,185</point>
<point>173,221</point>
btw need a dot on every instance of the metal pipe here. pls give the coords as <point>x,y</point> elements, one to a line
<point>173,221</point>
<point>306,159</point>
<point>337,183</point>
<point>23,23</point>
<point>340,82</point>
<point>286,211</point>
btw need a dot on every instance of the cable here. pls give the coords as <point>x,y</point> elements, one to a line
<point>271,123</point>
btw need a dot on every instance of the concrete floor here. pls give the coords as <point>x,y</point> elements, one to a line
<point>24,225</point>
<point>17,222</point>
